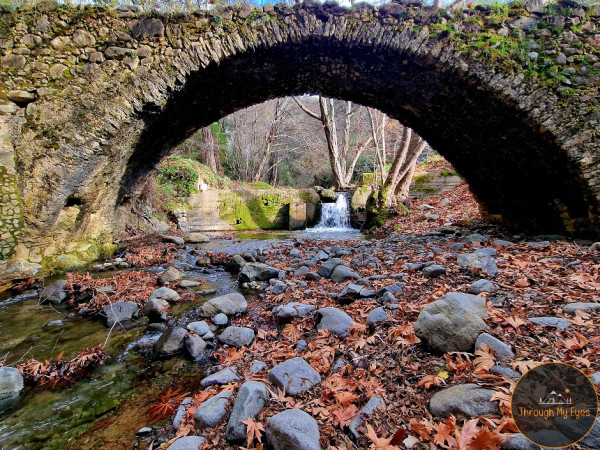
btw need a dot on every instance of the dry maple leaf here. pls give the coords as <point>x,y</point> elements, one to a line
<point>254,431</point>
<point>345,416</point>
<point>577,342</point>
<point>485,359</point>
<point>345,397</point>
<point>465,435</point>
<point>431,380</point>
<point>422,428</point>
<point>443,436</point>
<point>524,366</point>
<point>377,442</point>
<point>487,439</point>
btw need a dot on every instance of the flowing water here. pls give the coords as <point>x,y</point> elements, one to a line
<point>111,401</point>
<point>335,217</point>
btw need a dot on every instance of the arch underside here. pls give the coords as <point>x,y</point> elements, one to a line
<point>516,168</point>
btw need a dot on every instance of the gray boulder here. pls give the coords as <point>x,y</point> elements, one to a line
<point>327,267</point>
<point>592,439</point>
<point>334,320</point>
<point>257,366</point>
<point>195,346</point>
<point>237,263</point>
<point>120,312</point>
<point>187,443</point>
<point>200,328</point>
<point>293,429</point>
<point>285,313</point>
<point>294,376</point>
<point>165,293</point>
<point>230,304</point>
<point>189,283</point>
<point>464,400</point>
<point>55,293</point>
<point>210,413</point>
<point>479,259</point>
<point>224,376</point>
<point>368,410</point>
<point>549,321</point>
<point>452,323</point>
<point>257,272</point>
<point>220,319</point>
<point>343,273</point>
<point>156,309</point>
<point>500,348</point>
<point>174,239</point>
<point>169,275</point>
<point>250,399</point>
<point>481,286</point>
<point>237,336</point>
<point>572,308</point>
<point>434,271</point>
<point>376,316</point>
<point>301,272</point>
<point>171,341</point>
<point>196,238</point>
<point>11,382</point>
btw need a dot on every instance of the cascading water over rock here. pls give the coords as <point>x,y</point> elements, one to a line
<point>335,216</point>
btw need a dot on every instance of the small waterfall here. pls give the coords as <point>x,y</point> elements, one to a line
<point>335,216</point>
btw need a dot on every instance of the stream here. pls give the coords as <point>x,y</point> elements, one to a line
<point>106,408</point>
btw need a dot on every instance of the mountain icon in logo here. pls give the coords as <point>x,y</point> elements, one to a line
<point>555,399</point>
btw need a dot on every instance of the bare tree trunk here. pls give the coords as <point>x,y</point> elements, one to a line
<point>391,181</point>
<point>208,148</point>
<point>402,189</point>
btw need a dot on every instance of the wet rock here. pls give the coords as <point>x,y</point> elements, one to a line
<point>294,376</point>
<point>210,413</point>
<point>11,382</point>
<point>120,312</point>
<point>481,286</point>
<point>156,309</point>
<point>555,322</point>
<point>55,293</point>
<point>257,272</point>
<point>237,336</point>
<point>195,346</point>
<point>452,323</point>
<point>237,263</point>
<point>224,376</point>
<point>376,316</point>
<point>286,313</point>
<point>54,324</point>
<point>200,328</point>
<point>169,275</point>
<point>464,400</point>
<point>434,271</point>
<point>500,348</point>
<point>327,267</point>
<point>196,238</point>
<point>343,273</point>
<point>250,399</point>
<point>478,260</point>
<point>143,431</point>
<point>171,341</point>
<point>165,293</point>
<point>334,320</point>
<point>181,411</point>
<point>189,283</point>
<point>187,443</point>
<point>220,319</point>
<point>572,308</point>
<point>257,366</point>
<point>173,239</point>
<point>368,410</point>
<point>230,304</point>
<point>293,429</point>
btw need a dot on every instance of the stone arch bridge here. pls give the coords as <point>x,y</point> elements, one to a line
<point>92,98</point>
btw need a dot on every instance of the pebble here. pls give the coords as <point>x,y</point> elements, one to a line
<point>224,376</point>
<point>293,429</point>
<point>294,376</point>
<point>220,319</point>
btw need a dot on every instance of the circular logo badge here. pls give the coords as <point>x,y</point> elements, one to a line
<point>554,405</point>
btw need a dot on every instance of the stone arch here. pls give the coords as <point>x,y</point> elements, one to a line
<point>132,87</point>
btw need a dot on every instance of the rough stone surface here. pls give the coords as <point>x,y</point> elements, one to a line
<point>171,65</point>
<point>224,376</point>
<point>555,322</point>
<point>434,271</point>
<point>250,399</point>
<point>120,312</point>
<point>200,328</point>
<point>500,348</point>
<point>334,320</point>
<point>171,341</point>
<point>452,323</point>
<point>55,293</point>
<point>11,382</point>
<point>210,413</point>
<point>463,400</point>
<point>165,293</point>
<point>481,286</point>
<point>169,275</point>
<point>257,272</point>
<point>229,304</point>
<point>237,336</point>
<point>365,412</point>
<point>290,311</point>
<point>293,429</point>
<point>343,273</point>
<point>572,308</point>
<point>195,346</point>
<point>326,268</point>
<point>196,238</point>
<point>187,443</point>
<point>155,309</point>
<point>376,316</point>
<point>478,260</point>
<point>294,376</point>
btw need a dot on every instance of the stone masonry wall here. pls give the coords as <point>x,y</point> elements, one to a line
<point>94,98</point>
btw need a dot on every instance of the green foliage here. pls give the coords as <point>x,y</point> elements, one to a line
<point>261,185</point>
<point>178,176</point>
